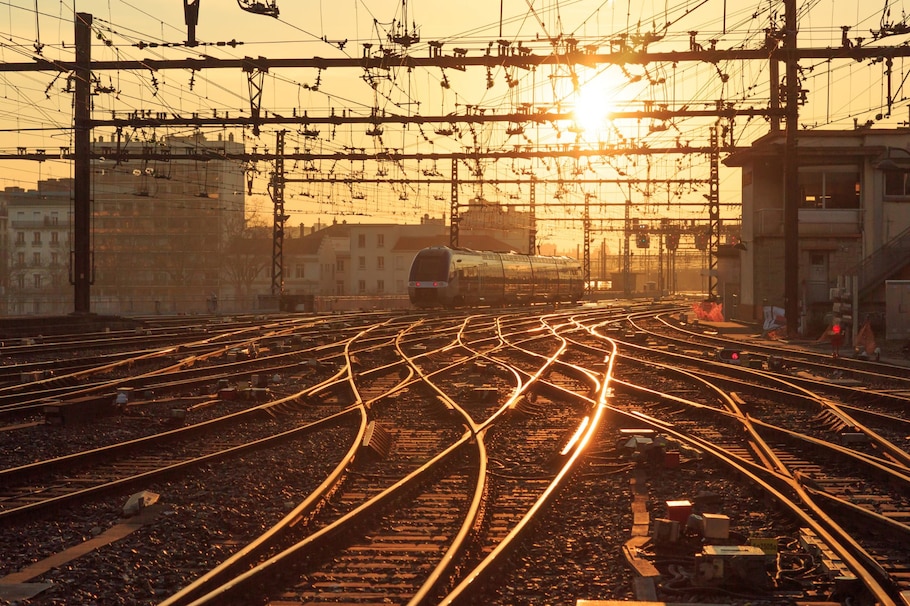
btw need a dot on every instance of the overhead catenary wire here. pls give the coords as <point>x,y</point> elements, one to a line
<point>217,93</point>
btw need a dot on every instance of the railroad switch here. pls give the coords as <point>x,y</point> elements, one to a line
<point>828,561</point>
<point>732,565</point>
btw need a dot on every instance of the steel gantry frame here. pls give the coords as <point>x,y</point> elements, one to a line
<point>506,55</point>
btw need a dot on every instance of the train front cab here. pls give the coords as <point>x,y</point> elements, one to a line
<point>429,279</point>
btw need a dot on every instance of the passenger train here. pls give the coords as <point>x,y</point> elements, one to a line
<point>453,277</point>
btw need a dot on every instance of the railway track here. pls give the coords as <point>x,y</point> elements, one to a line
<point>829,462</point>
<point>469,429</point>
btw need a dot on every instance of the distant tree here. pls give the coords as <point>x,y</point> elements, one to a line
<point>247,258</point>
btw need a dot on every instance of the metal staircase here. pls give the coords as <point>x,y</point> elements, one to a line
<point>881,264</point>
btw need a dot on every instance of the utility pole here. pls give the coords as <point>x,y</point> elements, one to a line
<point>81,258</point>
<point>276,190</point>
<point>532,217</point>
<point>626,250</point>
<point>791,176</point>
<point>454,218</point>
<point>713,213</point>
<point>586,245</point>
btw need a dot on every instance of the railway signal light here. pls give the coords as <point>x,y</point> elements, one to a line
<point>730,356</point>
<point>672,241</point>
<point>643,240</point>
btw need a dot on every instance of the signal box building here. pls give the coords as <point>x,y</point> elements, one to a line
<point>854,226</point>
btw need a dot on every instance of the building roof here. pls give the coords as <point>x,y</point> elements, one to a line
<point>466,240</point>
<point>831,145</point>
<point>481,242</point>
<point>415,243</point>
<point>310,243</point>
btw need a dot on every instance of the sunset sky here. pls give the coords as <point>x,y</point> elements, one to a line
<point>35,110</point>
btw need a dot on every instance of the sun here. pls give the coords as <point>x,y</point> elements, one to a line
<point>594,102</point>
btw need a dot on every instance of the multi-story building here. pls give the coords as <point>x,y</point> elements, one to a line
<point>159,230</point>
<point>160,227</point>
<point>499,221</point>
<point>854,222</point>
<point>38,245</point>
<point>357,265</point>
<point>356,260</point>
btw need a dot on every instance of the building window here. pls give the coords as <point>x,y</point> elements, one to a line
<point>36,259</point>
<point>55,259</point>
<point>399,262</point>
<point>362,262</point>
<point>20,281</point>
<point>298,271</point>
<point>339,265</point>
<point>380,240</point>
<point>827,188</point>
<point>361,286</point>
<point>897,184</point>
<point>380,262</point>
<point>20,259</point>
<point>36,237</point>
<point>339,288</point>
<point>36,280</point>
<point>20,237</point>
<point>55,238</point>
<point>361,241</point>
<point>380,286</point>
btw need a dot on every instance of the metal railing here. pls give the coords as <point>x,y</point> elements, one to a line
<point>875,268</point>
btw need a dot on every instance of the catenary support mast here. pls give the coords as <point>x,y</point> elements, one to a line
<point>791,177</point>
<point>81,272</point>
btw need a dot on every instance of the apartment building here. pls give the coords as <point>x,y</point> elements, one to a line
<point>159,230</point>
<point>38,244</point>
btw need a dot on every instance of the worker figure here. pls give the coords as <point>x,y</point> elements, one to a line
<point>120,401</point>
<point>837,339</point>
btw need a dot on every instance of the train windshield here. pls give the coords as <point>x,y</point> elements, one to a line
<point>430,267</point>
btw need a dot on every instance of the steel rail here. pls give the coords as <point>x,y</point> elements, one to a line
<point>826,528</point>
